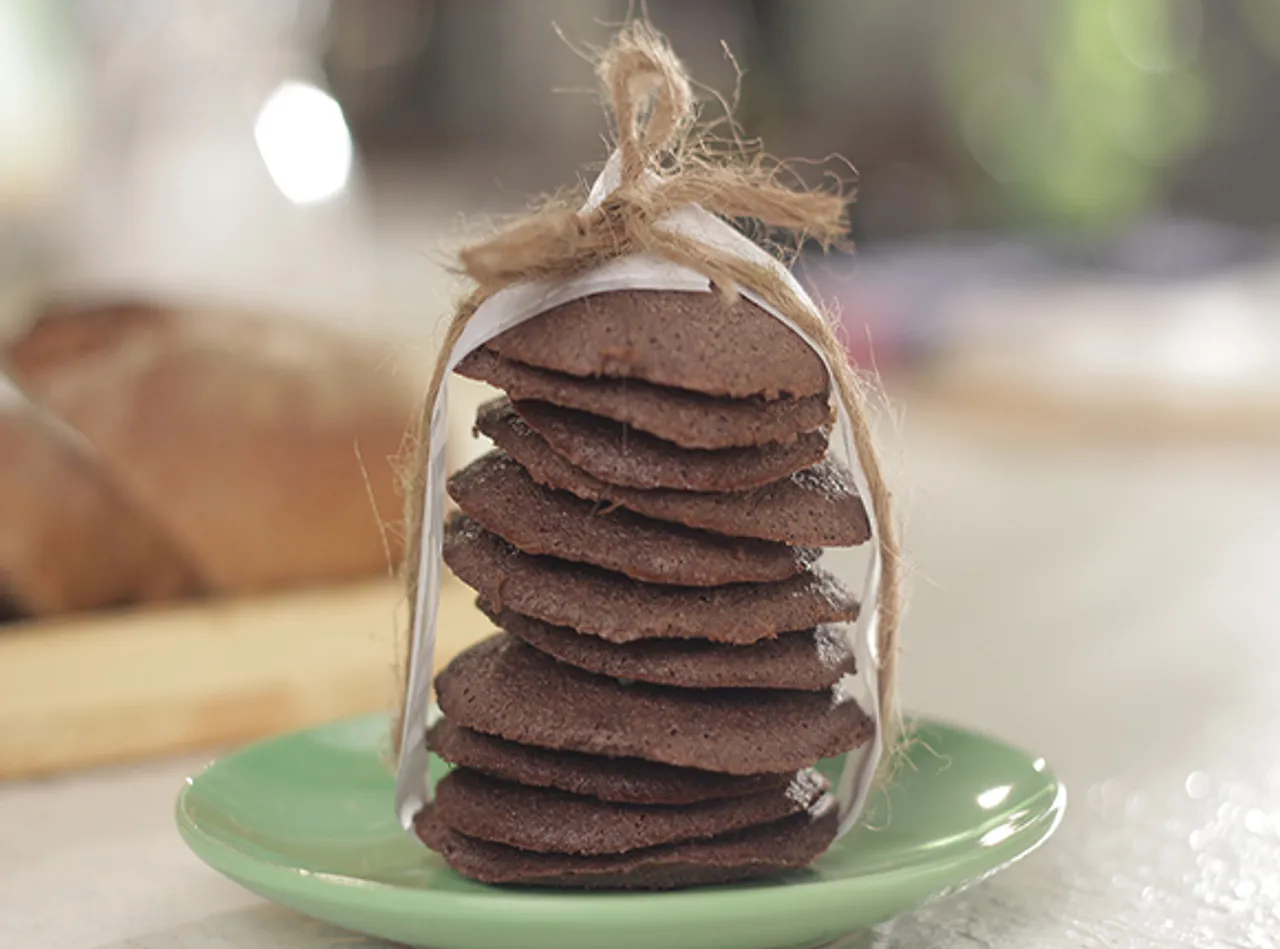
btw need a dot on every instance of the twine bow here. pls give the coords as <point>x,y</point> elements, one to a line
<point>662,170</point>
<point>652,105</point>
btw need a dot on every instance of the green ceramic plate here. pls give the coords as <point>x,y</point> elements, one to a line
<point>306,820</point>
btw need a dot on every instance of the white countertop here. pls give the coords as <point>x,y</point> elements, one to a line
<point>1116,611</point>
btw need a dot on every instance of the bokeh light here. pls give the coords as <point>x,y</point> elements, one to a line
<point>304,142</point>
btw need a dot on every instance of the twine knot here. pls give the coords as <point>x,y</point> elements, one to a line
<point>662,169</point>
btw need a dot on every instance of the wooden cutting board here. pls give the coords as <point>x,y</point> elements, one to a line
<point>106,688</point>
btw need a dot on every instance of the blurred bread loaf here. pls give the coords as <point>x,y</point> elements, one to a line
<point>261,447</point>
<point>68,539</point>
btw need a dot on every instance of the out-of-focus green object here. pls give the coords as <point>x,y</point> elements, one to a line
<point>39,104</point>
<point>41,134</point>
<point>1082,127</point>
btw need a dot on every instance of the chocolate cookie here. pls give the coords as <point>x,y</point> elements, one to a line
<point>499,495</point>
<point>816,507</point>
<point>810,660</point>
<point>788,844</point>
<point>690,419</point>
<point>550,821</point>
<point>622,610</point>
<point>502,687</point>
<point>620,455</point>
<point>686,340</point>
<point>626,780</point>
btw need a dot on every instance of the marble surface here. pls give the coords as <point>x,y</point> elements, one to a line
<point>1117,610</point>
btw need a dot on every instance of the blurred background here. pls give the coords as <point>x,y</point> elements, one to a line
<point>224,234</point>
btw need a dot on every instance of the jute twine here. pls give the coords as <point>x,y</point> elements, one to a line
<point>664,168</point>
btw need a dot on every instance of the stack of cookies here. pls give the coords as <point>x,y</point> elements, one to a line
<point>645,535</point>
